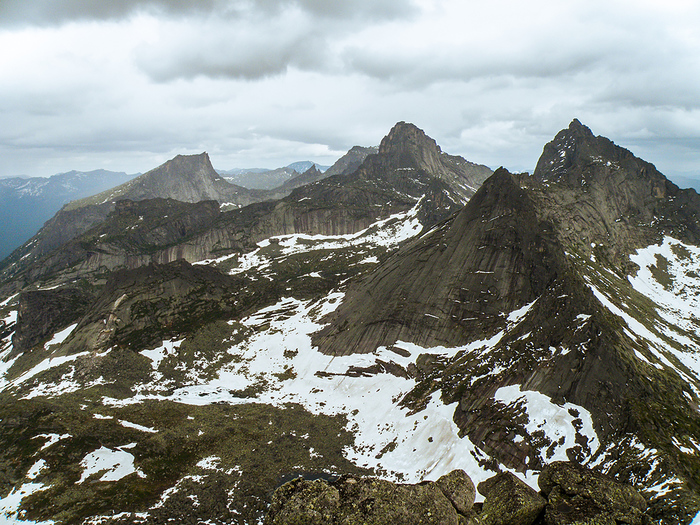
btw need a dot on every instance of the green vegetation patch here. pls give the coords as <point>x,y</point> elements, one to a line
<point>659,271</point>
<point>224,461</point>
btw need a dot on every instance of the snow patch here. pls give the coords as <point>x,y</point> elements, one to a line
<point>61,336</point>
<point>117,463</point>
<point>561,424</point>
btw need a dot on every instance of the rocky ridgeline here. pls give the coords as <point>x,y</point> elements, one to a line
<point>569,494</point>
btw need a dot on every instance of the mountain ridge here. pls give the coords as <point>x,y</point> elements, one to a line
<point>394,320</point>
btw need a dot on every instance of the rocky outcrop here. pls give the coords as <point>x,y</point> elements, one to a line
<point>366,501</point>
<point>352,160</point>
<point>600,194</point>
<point>571,495</point>
<point>141,307</point>
<point>494,256</point>
<point>509,501</point>
<point>579,495</point>
<point>45,312</point>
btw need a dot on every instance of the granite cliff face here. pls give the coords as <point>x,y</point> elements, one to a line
<point>493,256</point>
<point>162,231</point>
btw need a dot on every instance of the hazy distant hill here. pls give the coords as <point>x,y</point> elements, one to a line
<point>267,179</point>
<point>26,203</point>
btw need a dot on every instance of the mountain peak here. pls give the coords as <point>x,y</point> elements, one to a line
<point>576,146</point>
<point>406,137</point>
<point>183,163</point>
<point>576,125</point>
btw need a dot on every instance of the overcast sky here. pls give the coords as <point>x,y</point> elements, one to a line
<point>125,85</point>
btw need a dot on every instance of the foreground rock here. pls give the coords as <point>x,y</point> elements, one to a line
<point>570,495</point>
<point>368,501</point>
<point>509,501</point>
<point>578,495</point>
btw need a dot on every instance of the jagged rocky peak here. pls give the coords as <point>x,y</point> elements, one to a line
<point>603,194</point>
<point>410,144</point>
<point>407,153</point>
<point>352,160</point>
<point>577,156</point>
<point>189,178</point>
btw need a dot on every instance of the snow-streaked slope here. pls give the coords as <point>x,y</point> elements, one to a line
<point>279,361</point>
<point>386,233</point>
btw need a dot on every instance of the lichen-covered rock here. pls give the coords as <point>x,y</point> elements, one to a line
<point>458,487</point>
<point>369,501</point>
<point>577,495</point>
<point>302,502</point>
<point>509,501</point>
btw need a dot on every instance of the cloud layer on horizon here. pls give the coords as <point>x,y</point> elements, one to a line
<point>127,85</point>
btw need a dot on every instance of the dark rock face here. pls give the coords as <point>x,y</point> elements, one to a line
<point>494,256</point>
<point>45,312</point>
<point>578,495</point>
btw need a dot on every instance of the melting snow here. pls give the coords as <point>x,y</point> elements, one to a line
<point>61,336</point>
<point>388,438</point>
<point>9,505</point>
<point>117,464</point>
<point>137,427</point>
<point>556,421</point>
<point>679,300</point>
<point>158,354</point>
<point>51,439</point>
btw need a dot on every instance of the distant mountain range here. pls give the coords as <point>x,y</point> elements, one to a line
<point>26,203</point>
<point>267,179</point>
<point>177,349</point>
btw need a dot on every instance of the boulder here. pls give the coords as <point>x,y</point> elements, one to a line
<point>302,502</point>
<point>458,487</point>
<point>509,501</point>
<point>577,495</point>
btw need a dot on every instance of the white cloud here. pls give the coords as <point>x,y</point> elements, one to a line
<point>127,85</point>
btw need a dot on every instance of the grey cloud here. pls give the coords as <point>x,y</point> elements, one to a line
<point>56,12</point>
<point>242,53</point>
